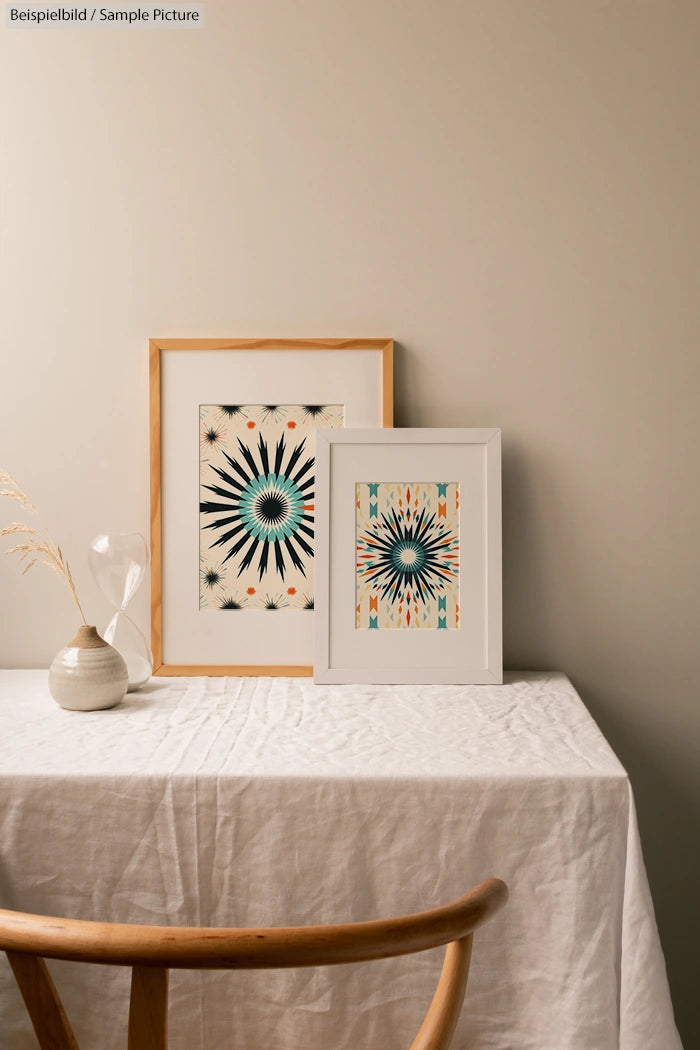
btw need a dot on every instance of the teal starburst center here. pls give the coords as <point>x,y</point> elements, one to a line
<point>271,507</point>
<point>408,556</point>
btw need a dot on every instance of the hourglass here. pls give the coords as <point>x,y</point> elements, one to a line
<point>118,562</point>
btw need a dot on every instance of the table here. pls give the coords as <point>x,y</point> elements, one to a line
<point>229,801</point>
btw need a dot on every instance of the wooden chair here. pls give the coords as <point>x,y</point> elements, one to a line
<point>152,950</point>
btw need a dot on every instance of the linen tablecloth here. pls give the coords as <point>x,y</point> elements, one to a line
<point>226,801</point>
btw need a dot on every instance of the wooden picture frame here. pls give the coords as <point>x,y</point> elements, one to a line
<point>189,378</point>
<point>408,542</point>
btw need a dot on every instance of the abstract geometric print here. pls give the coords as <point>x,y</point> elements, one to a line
<point>256,507</point>
<point>407,546</point>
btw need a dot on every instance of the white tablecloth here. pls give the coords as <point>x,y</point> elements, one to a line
<point>275,801</point>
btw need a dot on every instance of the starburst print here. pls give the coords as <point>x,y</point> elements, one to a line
<point>257,505</point>
<point>231,603</point>
<point>404,557</point>
<point>264,505</point>
<point>275,601</point>
<point>210,576</point>
<point>211,436</point>
<point>407,555</point>
<point>273,413</point>
<point>317,413</point>
<point>229,412</point>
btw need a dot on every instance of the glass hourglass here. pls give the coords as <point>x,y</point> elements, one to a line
<point>118,562</point>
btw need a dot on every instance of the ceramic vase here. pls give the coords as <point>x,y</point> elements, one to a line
<point>88,674</point>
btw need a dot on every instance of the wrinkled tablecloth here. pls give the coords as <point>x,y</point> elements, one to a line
<point>231,801</point>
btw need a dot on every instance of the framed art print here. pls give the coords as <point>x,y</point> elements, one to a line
<point>408,556</point>
<point>233,519</point>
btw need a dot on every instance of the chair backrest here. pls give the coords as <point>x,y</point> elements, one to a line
<point>152,950</point>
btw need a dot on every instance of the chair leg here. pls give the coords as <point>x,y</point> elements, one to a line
<point>43,1002</point>
<point>441,1019</point>
<point>148,1008</point>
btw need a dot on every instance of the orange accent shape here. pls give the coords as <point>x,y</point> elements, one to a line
<point>251,590</point>
<point>291,424</point>
<point>250,424</point>
<point>373,604</point>
<point>309,506</point>
<point>442,510</point>
<point>408,618</point>
<point>291,590</point>
<point>408,495</point>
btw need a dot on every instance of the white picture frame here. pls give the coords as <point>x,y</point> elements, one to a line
<point>347,461</point>
<point>186,374</point>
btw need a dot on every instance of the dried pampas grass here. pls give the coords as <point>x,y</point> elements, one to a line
<point>39,548</point>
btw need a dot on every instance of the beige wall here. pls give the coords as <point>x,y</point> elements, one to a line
<point>509,189</point>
